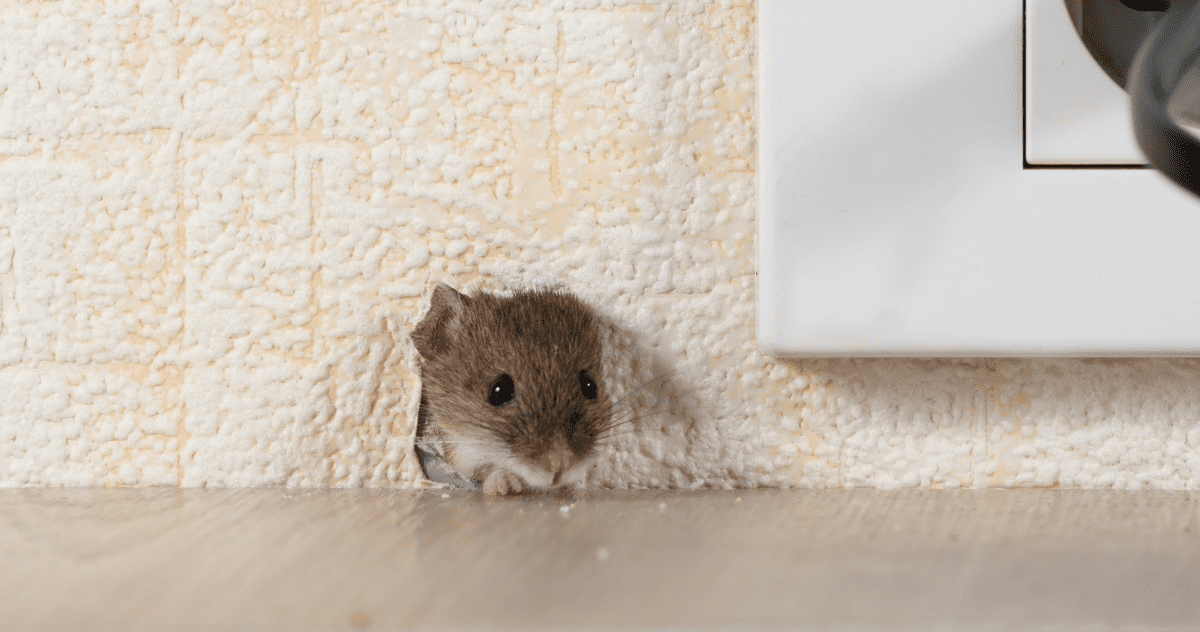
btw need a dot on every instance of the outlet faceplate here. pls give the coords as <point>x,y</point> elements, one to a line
<point>897,216</point>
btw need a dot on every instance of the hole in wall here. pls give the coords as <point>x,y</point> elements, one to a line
<point>433,466</point>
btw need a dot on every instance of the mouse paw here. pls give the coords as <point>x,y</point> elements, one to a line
<point>503,482</point>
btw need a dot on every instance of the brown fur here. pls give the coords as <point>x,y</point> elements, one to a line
<point>542,340</point>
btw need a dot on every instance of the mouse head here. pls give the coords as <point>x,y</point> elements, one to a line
<point>514,383</point>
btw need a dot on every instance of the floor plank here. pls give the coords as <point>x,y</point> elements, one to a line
<point>167,559</point>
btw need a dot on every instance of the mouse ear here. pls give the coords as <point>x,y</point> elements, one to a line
<point>433,334</point>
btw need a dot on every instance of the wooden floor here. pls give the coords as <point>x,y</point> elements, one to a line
<point>158,559</point>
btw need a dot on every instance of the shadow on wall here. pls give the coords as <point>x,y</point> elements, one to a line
<point>656,419</point>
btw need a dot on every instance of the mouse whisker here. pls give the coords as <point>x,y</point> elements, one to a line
<point>608,430</point>
<point>664,376</point>
<point>642,387</point>
<point>608,439</point>
<point>633,416</point>
<point>614,432</point>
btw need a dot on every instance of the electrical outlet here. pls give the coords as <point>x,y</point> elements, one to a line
<point>898,216</point>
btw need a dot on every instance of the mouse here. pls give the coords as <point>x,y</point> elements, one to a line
<point>513,397</point>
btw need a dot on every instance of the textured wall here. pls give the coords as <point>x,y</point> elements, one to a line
<point>219,221</point>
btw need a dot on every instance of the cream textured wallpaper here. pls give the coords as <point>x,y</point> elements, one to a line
<point>219,220</point>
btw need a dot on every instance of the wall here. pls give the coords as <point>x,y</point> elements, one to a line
<point>220,220</point>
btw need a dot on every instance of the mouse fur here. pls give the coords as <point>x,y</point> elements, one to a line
<point>548,345</point>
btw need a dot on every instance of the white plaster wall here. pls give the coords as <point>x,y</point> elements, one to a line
<point>219,221</point>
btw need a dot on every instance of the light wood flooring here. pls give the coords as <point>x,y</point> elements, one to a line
<point>276,559</point>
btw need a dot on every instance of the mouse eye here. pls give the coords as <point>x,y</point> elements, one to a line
<point>587,385</point>
<point>501,390</point>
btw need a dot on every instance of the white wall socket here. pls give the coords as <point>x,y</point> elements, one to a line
<point>897,214</point>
